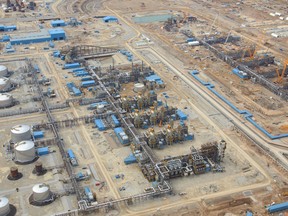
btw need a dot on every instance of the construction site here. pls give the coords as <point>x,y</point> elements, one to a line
<point>143,108</point>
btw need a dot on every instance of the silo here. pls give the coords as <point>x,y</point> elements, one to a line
<point>5,84</point>
<point>6,100</point>
<point>41,193</point>
<point>3,71</point>
<point>4,206</point>
<point>20,133</point>
<point>25,151</point>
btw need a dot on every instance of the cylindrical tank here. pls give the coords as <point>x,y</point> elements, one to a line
<point>38,167</point>
<point>20,133</point>
<point>41,192</point>
<point>139,87</point>
<point>4,206</point>
<point>100,108</point>
<point>14,172</point>
<point>6,100</point>
<point>5,84</point>
<point>25,151</point>
<point>3,71</point>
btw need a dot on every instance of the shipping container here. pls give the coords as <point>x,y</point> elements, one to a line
<point>43,151</point>
<point>38,134</point>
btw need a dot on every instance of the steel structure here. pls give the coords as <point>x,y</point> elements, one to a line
<point>59,141</point>
<point>259,78</point>
<point>82,52</point>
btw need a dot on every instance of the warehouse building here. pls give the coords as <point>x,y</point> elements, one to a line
<point>8,28</point>
<point>39,37</point>
<point>58,23</point>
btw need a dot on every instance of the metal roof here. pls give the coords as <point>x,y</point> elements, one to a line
<point>3,202</point>
<point>19,129</point>
<point>25,145</point>
<point>40,188</point>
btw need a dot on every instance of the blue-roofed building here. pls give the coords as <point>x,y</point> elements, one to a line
<point>6,38</point>
<point>110,19</point>
<point>249,213</point>
<point>38,134</point>
<point>58,23</point>
<point>122,136</point>
<point>278,207</point>
<point>115,121</point>
<point>57,34</point>
<point>39,37</point>
<point>155,78</point>
<point>181,115</point>
<point>8,28</point>
<point>100,124</point>
<point>88,83</point>
<point>43,151</point>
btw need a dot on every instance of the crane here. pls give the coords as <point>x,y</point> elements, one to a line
<point>281,76</point>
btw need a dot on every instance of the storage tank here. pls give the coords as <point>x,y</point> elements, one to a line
<point>3,71</point>
<point>41,192</point>
<point>6,100</point>
<point>5,84</point>
<point>20,133</point>
<point>139,87</point>
<point>25,151</point>
<point>4,206</point>
<point>100,108</point>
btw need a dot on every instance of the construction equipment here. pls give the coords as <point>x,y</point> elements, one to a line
<point>281,76</point>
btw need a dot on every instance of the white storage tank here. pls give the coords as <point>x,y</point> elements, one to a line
<point>41,192</point>
<point>20,133</point>
<point>6,100</point>
<point>139,87</point>
<point>4,206</point>
<point>25,151</point>
<point>100,108</point>
<point>3,71</point>
<point>5,84</point>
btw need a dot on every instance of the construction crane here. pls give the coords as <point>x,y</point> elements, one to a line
<point>281,76</point>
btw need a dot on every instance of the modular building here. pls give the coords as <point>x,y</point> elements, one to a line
<point>39,37</point>
<point>115,121</point>
<point>72,65</point>
<point>110,19</point>
<point>88,83</point>
<point>58,23</point>
<point>240,74</point>
<point>122,136</point>
<point>100,124</point>
<point>8,28</point>
<point>181,115</point>
<point>43,151</point>
<point>38,134</point>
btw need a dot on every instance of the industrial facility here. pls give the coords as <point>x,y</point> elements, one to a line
<point>143,108</point>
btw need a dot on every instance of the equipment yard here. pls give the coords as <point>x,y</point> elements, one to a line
<point>144,108</point>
